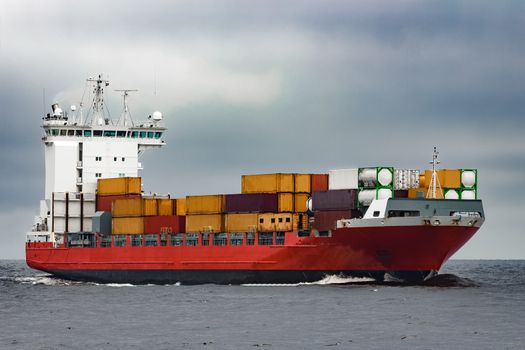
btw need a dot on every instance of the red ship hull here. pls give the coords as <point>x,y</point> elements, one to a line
<point>408,251</point>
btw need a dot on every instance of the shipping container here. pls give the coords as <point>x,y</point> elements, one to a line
<point>366,196</point>
<point>469,178</point>
<point>164,224</point>
<point>251,202</point>
<point>325,220</point>
<point>376,177</point>
<point>319,182</point>
<point>268,183</point>
<point>241,222</point>
<point>452,193</point>
<point>286,202</point>
<point>300,221</point>
<point>129,225</point>
<point>448,178</point>
<point>119,186</point>
<point>422,193</point>
<point>341,179</point>
<point>209,204</point>
<point>205,223</point>
<point>271,222</point>
<point>180,207</point>
<point>127,207</point>
<point>300,202</point>
<point>104,203</point>
<point>334,200</point>
<point>469,194</point>
<point>165,206</point>
<point>406,178</point>
<point>150,207</point>
<point>302,183</point>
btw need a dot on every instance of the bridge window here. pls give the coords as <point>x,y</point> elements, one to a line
<point>236,238</point>
<point>121,134</point>
<point>265,238</point>
<point>87,133</point>
<point>78,132</point>
<point>63,132</point>
<point>120,240</point>
<point>98,174</point>
<point>143,134</point>
<point>71,133</point>
<point>150,134</point>
<point>109,133</point>
<point>176,239</point>
<point>402,213</point>
<point>97,133</point>
<point>158,135</point>
<point>134,134</point>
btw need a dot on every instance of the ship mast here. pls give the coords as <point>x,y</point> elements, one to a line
<point>434,181</point>
<point>125,118</point>
<point>98,101</point>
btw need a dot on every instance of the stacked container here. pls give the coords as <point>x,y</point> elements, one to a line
<point>375,183</point>
<point>205,213</point>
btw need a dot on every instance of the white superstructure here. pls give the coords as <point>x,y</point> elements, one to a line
<point>81,149</point>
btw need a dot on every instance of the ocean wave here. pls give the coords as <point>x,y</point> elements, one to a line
<point>46,280</point>
<point>327,280</point>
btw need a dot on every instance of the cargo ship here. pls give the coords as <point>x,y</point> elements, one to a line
<point>97,223</point>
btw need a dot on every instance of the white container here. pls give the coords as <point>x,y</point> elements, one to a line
<point>343,179</point>
<point>365,197</point>
<point>452,194</point>
<point>468,178</point>
<point>406,178</point>
<point>468,194</point>
<point>372,177</point>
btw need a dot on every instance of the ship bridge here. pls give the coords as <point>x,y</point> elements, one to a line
<point>82,148</point>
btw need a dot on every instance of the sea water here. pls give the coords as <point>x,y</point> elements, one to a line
<point>479,305</point>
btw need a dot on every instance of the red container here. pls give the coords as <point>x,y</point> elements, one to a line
<point>401,194</point>
<point>334,200</point>
<point>252,202</point>
<point>319,182</point>
<point>164,224</point>
<point>104,202</point>
<point>327,220</point>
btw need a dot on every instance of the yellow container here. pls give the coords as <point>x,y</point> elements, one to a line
<point>205,223</point>
<point>119,186</point>
<point>270,222</point>
<point>211,204</point>
<point>300,218</point>
<point>268,183</point>
<point>286,202</point>
<point>448,178</point>
<point>300,200</point>
<point>131,226</point>
<point>241,222</point>
<point>180,207</point>
<point>302,183</point>
<point>165,207</point>
<point>127,208</point>
<point>150,207</point>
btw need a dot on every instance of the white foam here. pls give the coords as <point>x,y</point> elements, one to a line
<point>327,280</point>
<point>42,280</point>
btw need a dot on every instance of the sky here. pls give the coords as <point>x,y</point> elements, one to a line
<point>270,86</point>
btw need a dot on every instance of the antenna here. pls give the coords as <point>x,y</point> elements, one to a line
<point>125,116</point>
<point>434,182</point>
<point>44,101</point>
<point>98,100</point>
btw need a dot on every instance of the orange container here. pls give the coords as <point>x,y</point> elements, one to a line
<point>210,204</point>
<point>286,202</point>
<point>302,183</point>
<point>129,226</point>
<point>150,207</point>
<point>165,207</point>
<point>205,223</point>
<point>119,186</point>
<point>180,207</point>
<point>241,222</point>
<point>130,207</point>
<point>268,183</point>
<point>300,200</point>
